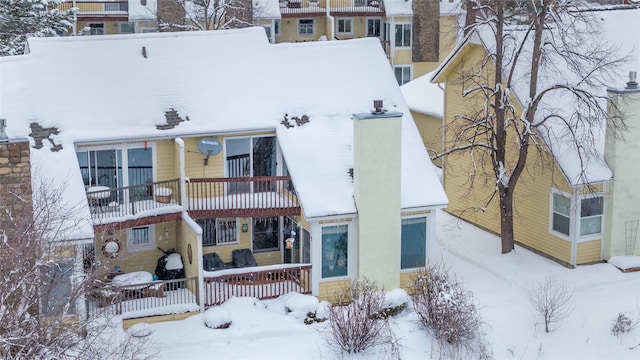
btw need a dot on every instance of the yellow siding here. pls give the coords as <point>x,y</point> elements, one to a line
<point>329,289</point>
<point>430,129</point>
<point>127,323</point>
<point>407,278</point>
<point>188,240</point>
<point>129,261</point>
<point>194,161</point>
<point>532,197</point>
<point>166,166</point>
<point>589,252</point>
<point>110,27</point>
<point>289,30</point>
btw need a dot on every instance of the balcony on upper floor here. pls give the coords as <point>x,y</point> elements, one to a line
<point>97,9</point>
<point>314,8</point>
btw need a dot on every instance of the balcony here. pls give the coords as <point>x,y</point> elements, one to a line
<point>262,282</point>
<point>133,202</point>
<point>314,8</point>
<point>97,9</point>
<point>262,196</point>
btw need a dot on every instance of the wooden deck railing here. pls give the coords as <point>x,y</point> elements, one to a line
<point>242,196</point>
<point>96,7</point>
<point>145,299</point>
<point>262,282</point>
<point>311,8</point>
<point>108,203</point>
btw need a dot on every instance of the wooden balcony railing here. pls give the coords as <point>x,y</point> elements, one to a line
<point>160,297</point>
<point>96,7</point>
<point>107,203</point>
<point>242,196</point>
<point>262,282</point>
<point>310,8</point>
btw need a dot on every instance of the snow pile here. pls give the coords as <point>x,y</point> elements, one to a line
<point>625,262</point>
<point>140,330</point>
<point>217,318</point>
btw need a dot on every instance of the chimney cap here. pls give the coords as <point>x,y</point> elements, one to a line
<point>632,83</point>
<point>3,134</point>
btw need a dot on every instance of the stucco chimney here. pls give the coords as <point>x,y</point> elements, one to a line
<point>632,83</point>
<point>376,182</point>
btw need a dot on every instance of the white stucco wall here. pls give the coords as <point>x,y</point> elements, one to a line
<point>623,157</point>
<point>377,170</point>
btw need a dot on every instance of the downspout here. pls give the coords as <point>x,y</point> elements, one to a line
<point>576,227</point>
<point>392,43</point>
<point>331,21</point>
<point>75,19</point>
<point>185,217</point>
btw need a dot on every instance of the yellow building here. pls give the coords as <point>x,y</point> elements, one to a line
<point>559,202</point>
<point>261,189</point>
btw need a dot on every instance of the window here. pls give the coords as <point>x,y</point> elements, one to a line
<point>403,35</point>
<point>403,74</point>
<point>116,6</point>
<point>141,238</point>
<point>218,231</point>
<point>276,27</point>
<point>148,29</point>
<point>305,27</point>
<point>373,27</point>
<point>127,28</point>
<point>334,251</point>
<point>57,288</point>
<point>561,221</point>
<point>266,234</point>
<point>360,3</point>
<point>267,30</point>
<point>591,209</point>
<point>96,29</point>
<point>413,253</point>
<point>345,26</point>
<point>251,156</point>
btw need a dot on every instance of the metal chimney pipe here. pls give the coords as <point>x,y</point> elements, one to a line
<point>632,83</point>
<point>3,134</point>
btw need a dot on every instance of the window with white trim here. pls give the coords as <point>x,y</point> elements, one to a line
<point>561,213</point>
<point>403,35</point>
<point>344,26</point>
<point>335,250</point>
<point>222,231</point>
<point>141,238</point>
<point>126,27</point>
<point>591,210</point>
<point>403,74</point>
<point>305,26</point>
<point>276,27</point>
<point>413,243</point>
<point>374,27</point>
<point>266,234</point>
<point>96,29</point>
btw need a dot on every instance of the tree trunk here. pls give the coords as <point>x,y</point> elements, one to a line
<point>506,219</point>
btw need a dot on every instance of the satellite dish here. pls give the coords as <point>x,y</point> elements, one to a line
<point>209,147</point>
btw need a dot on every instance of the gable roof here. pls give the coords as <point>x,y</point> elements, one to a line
<point>620,26</point>
<point>102,88</point>
<point>423,96</point>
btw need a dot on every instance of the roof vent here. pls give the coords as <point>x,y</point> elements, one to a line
<point>3,134</point>
<point>377,107</point>
<point>632,83</point>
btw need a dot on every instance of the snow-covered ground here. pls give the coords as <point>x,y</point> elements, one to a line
<point>500,283</point>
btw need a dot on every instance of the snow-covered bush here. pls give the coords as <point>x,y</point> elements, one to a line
<point>447,310</point>
<point>355,324</point>
<point>217,318</point>
<point>551,300</point>
<point>139,330</point>
<point>624,323</point>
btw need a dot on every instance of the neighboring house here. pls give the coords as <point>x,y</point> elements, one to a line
<point>558,210</point>
<point>426,102</point>
<point>414,40</point>
<point>623,156</point>
<point>205,153</point>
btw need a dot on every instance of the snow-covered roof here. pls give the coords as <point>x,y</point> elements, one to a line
<point>620,27</point>
<point>99,88</point>
<point>137,11</point>
<point>423,96</point>
<point>266,9</point>
<point>398,7</point>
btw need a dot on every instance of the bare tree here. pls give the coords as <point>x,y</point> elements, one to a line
<point>207,14</point>
<point>41,294</point>
<point>551,300</point>
<point>537,52</point>
<point>356,321</point>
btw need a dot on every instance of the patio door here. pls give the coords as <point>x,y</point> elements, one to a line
<point>248,157</point>
<point>300,252</point>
